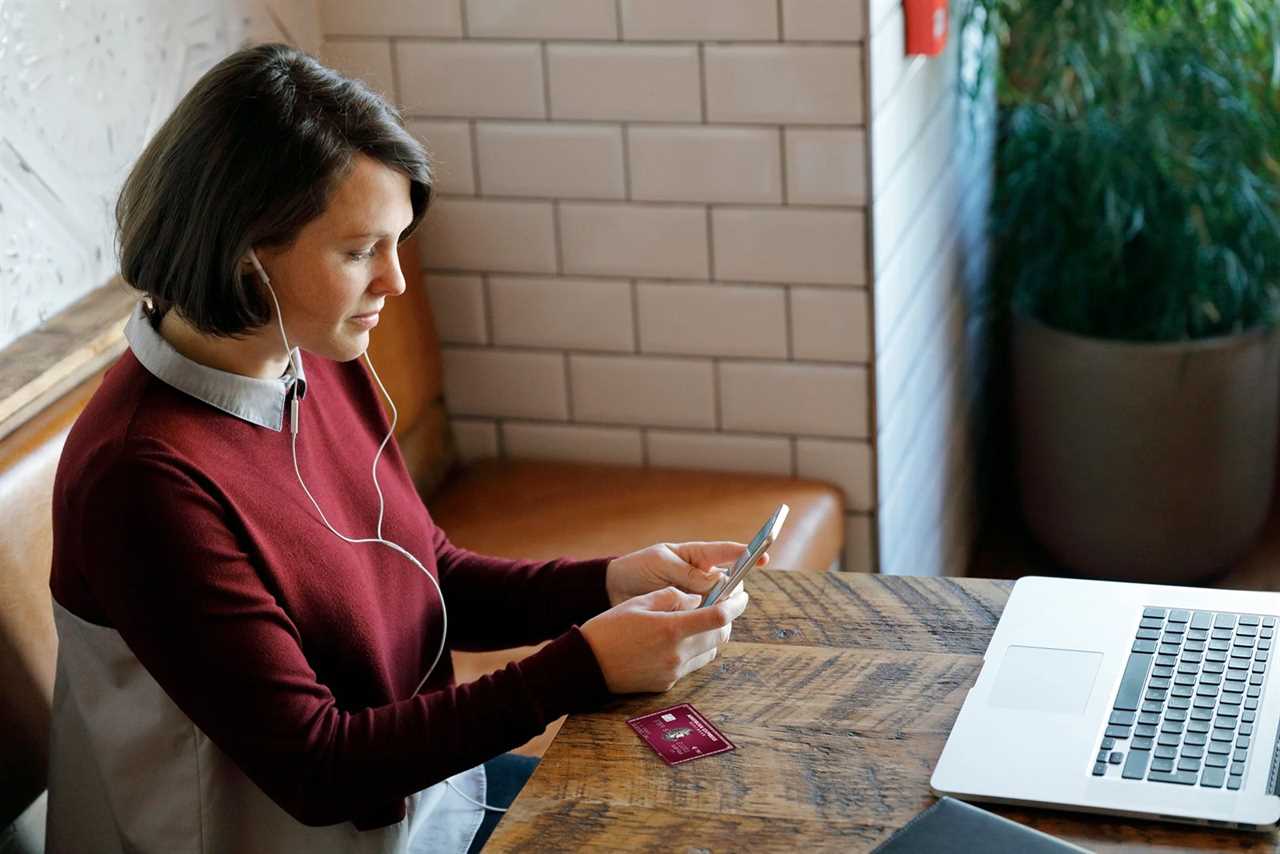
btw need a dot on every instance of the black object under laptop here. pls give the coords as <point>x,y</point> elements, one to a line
<point>955,827</point>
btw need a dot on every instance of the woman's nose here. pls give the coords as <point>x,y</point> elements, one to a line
<point>389,280</point>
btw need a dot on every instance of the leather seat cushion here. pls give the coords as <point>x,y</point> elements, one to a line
<point>542,510</point>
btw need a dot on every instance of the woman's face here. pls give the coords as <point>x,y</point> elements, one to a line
<point>332,281</point>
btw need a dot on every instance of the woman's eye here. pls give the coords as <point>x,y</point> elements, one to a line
<point>361,256</point>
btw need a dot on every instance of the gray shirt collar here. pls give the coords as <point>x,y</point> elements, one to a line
<point>258,401</point>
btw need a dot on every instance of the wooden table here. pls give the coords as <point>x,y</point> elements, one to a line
<point>839,691</point>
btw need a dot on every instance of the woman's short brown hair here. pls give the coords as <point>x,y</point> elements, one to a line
<point>248,157</point>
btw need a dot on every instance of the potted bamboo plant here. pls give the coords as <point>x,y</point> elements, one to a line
<point>1136,225</point>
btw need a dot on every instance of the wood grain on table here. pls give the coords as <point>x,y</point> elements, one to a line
<point>839,691</point>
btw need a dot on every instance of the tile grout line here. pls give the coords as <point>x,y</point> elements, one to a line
<point>475,156</point>
<point>568,388</point>
<point>682,429</point>
<point>486,308</point>
<point>715,394</point>
<point>741,124</point>
<point>397,88</point>
<point>545,57</point>
<point>664,280</point>
<point>626,161</point>
<point>555,233</point>
<point>769,206</point>
<point>668,355</point>
<point>350,38</point>
<point>782,154</point>
<point>635,316</point>
<point>711,247</point>
<point>787,319</point>
<point>702,79</point>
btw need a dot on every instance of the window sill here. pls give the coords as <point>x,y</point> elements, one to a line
<point>42,365</point>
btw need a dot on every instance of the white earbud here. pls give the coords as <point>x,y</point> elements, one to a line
<point>293,427</point>
<point>289,351</point>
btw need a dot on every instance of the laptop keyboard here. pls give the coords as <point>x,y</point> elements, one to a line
<point>1187,708</point>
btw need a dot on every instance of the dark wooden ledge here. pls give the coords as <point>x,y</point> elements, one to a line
<point>43,364</point>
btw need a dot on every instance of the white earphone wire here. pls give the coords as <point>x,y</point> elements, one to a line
<point>293,429</point>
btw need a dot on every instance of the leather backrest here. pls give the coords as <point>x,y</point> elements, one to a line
<point>28,644</point>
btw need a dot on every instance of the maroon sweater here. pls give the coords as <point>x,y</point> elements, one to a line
<point>184,529</point>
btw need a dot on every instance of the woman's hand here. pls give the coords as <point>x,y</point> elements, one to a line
<point>649,642</point>
<point>690,567</point>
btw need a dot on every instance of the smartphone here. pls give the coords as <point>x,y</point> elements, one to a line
<point>758,546</point>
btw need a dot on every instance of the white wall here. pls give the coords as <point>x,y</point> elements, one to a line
<point>930,185</point>
<point>651,243</point>
<point>736,234</point>
<point>82,88</point>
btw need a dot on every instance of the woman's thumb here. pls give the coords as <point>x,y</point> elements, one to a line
<point>672,599</point>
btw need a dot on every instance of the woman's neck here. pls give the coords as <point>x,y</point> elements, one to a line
<point>257,354</point>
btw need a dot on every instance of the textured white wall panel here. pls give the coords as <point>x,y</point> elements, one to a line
<point>82,88</point>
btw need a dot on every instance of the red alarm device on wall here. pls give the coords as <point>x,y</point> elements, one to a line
<point>927,23</point>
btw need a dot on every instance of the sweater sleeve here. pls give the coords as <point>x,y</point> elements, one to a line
<point>184,593</point>
<point>495,603</point>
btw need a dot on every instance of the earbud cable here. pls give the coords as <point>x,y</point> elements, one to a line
<point>293,429</point>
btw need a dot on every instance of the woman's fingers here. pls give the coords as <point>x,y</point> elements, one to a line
<point>698,662</point>
<point>708,555</point>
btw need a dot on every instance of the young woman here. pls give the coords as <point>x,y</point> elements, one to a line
<point>252,628</point>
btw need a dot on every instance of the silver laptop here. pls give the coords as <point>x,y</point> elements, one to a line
<point>1136,699</point>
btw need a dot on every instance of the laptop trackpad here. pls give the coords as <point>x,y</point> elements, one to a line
<point>1046,680</point>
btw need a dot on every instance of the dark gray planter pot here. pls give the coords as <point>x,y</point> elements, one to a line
<point>1145,462</point>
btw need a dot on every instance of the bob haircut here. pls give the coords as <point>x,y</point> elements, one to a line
<point>249,156</point>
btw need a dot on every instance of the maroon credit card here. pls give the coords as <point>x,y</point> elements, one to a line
<point>680,734</point>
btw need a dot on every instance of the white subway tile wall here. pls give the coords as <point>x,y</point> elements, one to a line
<point>634,240</point>
<point>721,452</point>
<point>550,160</point>
<point>505,382</point>
<point>800,84</point>
<point>712,320</point>
<point>574,314</point>
<point>824,20</point>
<point>846,464</point>
<point>712,20</point>
<point>830,324</point>
<point>789,244</point>
<point>449,144</point>
<point>475,439</point>
<point>794,398</point>
<point>490,234</point>
<point>457,301</point>
<point>391,18</point>
<point>644,391</point>
<point>611,445</point>
<point>657,83</point>
<point>653,235</point>
<point>541,19</point>
<point>365,59</point>
<point>705,164</point>
<point>481,79</point>
<point>826,167</point>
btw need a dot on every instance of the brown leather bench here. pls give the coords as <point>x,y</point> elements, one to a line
<point>504,507</point>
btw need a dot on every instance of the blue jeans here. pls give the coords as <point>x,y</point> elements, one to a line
<point>506,776</point>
